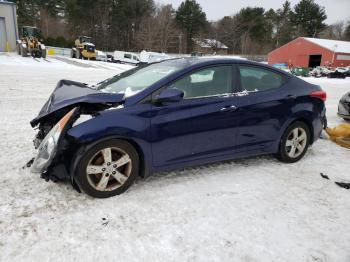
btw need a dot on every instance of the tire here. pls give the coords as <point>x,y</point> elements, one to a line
<point>78,54</point>
<point>43,53</point>
<point>24,51</point>
<point>117,179</point>
<point>300,143</point>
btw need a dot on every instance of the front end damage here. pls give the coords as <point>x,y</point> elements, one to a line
<point>68,106</point>
<point>56,153</point>
<point>50,161</point>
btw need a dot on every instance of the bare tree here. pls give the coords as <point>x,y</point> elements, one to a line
<point>335,31</point>
<point>159,32</point>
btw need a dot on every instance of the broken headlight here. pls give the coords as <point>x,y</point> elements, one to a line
<point>48,147</point>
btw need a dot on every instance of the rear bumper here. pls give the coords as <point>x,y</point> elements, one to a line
<point>319,124</point>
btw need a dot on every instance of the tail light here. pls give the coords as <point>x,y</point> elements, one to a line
<point>320,95</point>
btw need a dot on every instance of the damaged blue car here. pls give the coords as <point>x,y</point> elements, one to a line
<point>170,115</point>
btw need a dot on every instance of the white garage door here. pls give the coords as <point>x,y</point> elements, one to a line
<point>2,35</point>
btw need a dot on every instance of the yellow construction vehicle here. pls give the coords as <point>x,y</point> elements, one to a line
<point>84,49</point>
<point>29,42</point>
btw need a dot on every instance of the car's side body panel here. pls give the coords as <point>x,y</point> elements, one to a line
<point>132,124</point>
<point>198,131</point>
<point>171,132</point>
<point>214,126</point>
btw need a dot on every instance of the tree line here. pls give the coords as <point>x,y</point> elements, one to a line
<point>136,25</point>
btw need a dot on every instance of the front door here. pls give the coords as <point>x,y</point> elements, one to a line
<point>213,110</point>
<point>171,133</point>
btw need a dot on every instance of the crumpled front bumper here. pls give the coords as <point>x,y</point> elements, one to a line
<point>51,147</point>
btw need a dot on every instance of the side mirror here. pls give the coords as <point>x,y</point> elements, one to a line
<point>170,95</point>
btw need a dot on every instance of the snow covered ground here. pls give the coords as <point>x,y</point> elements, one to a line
<point>254,209</point>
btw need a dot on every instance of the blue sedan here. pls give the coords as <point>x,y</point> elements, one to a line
<point>170,115</point>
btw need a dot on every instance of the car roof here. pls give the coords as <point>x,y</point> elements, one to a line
<point>216,60</point>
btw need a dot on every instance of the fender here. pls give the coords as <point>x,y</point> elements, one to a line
<point>129,124</point>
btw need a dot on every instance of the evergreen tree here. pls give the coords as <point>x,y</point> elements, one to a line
<point>29,12</point>
<point>283,24</point>
<point>309,17</point>
<point>191,20</point>
<point>347,32</point>
<point>252,27</point>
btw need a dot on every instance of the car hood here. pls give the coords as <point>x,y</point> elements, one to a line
<point>69,93</point>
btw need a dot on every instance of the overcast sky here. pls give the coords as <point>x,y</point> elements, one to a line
<point>215,9</point>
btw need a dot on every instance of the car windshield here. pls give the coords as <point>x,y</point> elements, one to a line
<point>136,80</point>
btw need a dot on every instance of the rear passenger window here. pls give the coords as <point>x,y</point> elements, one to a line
<point>254,79</point>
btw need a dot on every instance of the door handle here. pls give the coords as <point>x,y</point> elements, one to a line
<point>290,97</point>
<point>229,108</point>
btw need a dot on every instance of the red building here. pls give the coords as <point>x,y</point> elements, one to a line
<point>312,52</point>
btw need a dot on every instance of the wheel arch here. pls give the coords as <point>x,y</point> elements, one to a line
<point>309,125</point>
<point>304,120</point>
<point>79,149</point>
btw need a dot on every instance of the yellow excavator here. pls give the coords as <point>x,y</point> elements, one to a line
<point>29,43</point>
<point>84,49</point>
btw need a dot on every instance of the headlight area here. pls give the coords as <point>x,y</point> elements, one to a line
<point>50,144</point>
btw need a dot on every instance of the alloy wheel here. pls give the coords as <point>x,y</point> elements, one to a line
<point>296,142</point>
<point>109,169</point>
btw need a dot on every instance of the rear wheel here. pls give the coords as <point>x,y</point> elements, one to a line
<point>78,54</point>
<point>108,168</point>
<point>43,53</point>
<point>24,51</point>
<point>294,143</point>
<point>72,53</point>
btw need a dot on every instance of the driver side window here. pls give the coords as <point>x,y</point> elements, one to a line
<point>210,81</point>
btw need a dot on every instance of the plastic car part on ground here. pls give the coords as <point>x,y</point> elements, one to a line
<point>340,135</point>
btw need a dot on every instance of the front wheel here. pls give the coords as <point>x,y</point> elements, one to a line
<point>24,51</point>
<point>43,53</point>
<point>107,168</point>
<point>294,143</point>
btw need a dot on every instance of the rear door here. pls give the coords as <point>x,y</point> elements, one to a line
<point>264,106</point>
